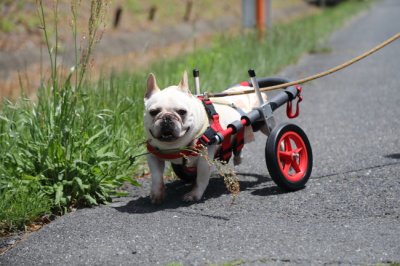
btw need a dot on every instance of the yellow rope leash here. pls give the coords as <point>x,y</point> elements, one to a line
<point>316,76</point>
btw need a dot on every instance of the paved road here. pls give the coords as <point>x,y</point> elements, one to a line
<point>348,214</point>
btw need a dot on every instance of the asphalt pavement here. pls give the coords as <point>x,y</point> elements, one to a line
<point>348,214</point>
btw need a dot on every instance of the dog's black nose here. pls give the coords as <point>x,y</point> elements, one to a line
<point>168,123</point>
<point>167,120</point>
<point>168,129</point>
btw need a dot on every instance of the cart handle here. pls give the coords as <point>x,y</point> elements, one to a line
<point>289,94</point>
<point>265,82</point>
<point>270,81</point>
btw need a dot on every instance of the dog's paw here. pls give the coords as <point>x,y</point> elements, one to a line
<point>158,197</point>
<point>192,196</point>
<point>237,160</point>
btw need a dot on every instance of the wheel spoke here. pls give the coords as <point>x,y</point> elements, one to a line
<point>298,150</point>
<point>288,145</point>
<point>286,168</point>
<point>285,156</point>
<point>296,166</point>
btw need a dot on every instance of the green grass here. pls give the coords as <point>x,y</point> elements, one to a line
<point>174,264</point>
<point>71,147</point>
<point>12,16</point>
<point>237,262</point>
<point>6,26</point>
<point>22,202</point>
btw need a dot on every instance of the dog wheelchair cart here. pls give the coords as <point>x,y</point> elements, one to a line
<point>288,153</point>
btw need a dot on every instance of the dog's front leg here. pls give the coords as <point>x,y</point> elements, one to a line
<point>204,170</point>
<point>156,166</point>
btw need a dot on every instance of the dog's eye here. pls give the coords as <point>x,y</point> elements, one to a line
<point>154,112</point>
<point>181,112</point>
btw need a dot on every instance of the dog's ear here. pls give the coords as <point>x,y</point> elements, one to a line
<point>151,86</point>
<point>184,84</point>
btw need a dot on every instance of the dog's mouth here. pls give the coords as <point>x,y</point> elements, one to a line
<point>169,136</point>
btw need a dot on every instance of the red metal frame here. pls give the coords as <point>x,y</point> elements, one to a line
<point>229,131</point>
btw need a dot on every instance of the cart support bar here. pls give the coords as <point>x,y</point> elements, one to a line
<point>283,97</point>
<point>196,75</point>
<point>254,82</point>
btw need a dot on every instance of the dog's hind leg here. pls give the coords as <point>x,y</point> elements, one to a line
<point>237,158</point>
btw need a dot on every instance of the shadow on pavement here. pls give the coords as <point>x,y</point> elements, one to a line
<point>393,156</point>
<point>216,188</point>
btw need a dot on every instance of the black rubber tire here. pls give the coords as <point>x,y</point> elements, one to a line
<point>182,174</point>
<point>275,165</point>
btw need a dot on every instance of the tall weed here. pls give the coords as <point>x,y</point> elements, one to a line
<point>71,150</point>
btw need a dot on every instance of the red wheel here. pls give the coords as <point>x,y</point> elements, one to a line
<point>289,157</point>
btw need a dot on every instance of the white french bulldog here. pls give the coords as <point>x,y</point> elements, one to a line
<point>175,119</point>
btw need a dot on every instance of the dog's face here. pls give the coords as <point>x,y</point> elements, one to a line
<point>171,115</point>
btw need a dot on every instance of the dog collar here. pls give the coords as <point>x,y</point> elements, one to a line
<point>175,153</point>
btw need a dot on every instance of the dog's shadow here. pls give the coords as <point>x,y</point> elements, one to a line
<point>216,188</point>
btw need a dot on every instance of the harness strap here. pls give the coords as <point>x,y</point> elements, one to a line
<point>189,169</point>
<point>208,138</point>
<point>224,153</point>
<point>238,144</point>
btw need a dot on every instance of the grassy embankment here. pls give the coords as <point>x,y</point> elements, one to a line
<point>71,147</point>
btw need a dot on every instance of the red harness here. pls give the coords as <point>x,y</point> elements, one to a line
<point>224,153</point>
<point>175,154</point>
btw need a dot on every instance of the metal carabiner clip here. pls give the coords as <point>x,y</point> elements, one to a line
<point>289,111</point>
